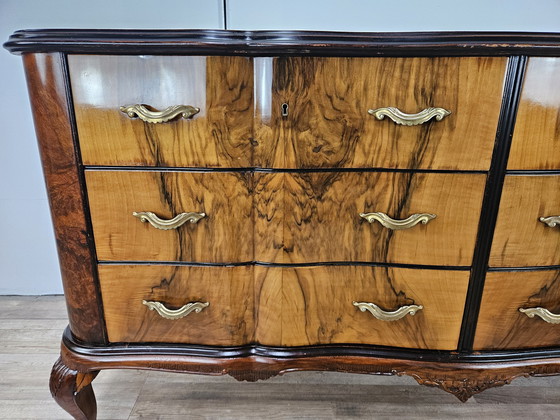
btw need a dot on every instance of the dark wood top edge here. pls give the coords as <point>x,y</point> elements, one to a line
<point>215,42</point>
<point>348,350</point>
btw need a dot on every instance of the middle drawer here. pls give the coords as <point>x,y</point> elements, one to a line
<point>414,218</point>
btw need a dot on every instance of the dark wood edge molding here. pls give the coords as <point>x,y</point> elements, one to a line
<point>492,194</point>
<point>460,378</point>
<point>262,43</point>
<point>252,169</point>
<point>47,85</point>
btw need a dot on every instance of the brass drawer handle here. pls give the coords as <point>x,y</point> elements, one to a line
<point>543,313</point>
<point>550,221</point>
<point>177,221</point>
<point>395,224</point>
<point>382,315</point>
<point>182,312</point>
<point>402,118</point>
<point>154,117</point>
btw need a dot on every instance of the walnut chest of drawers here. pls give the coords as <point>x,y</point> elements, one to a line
<point>252,203</point>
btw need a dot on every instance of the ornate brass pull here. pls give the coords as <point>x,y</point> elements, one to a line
<point>550,221</point>
<point>179,220</point>
<point>182,312</point>
<point>382,315</point>
<point>543,313</point>
<point>395,224</point>
<point>402,118</point>
<point>154,117</point>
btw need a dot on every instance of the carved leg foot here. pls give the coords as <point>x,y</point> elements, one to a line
<point>73,392</point>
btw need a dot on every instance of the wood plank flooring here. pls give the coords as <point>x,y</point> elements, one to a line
<point>30,330</point>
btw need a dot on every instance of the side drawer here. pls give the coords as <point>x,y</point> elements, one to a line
<point>501,325</point>
<point>219,134</point>
<point>521,239</point>
<point>537,127</point>
<point>224,234</point>
<point>309,306</point>
<point>227,320</point>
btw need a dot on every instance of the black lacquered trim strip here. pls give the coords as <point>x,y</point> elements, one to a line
<point>83,187</point>
<point>533,172</point>
<point>273,170</point>
<point>257,350</point>
<point>266,43</point>
<point>294,265</point>
<point>534,268</point>
<point>492,195</point>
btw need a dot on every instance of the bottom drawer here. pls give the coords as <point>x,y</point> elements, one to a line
<point>307,306</point>
<point>226,320</point>
<point>502,326</point>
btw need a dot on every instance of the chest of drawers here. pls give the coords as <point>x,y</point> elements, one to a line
<point>252,203</point>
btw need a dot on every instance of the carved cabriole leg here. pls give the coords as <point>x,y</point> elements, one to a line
<point>72,390</point>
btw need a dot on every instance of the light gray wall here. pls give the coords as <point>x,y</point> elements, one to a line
<point>28,262</point>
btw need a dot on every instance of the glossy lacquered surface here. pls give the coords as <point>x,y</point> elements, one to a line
<point>315,217</point>
<point>228,319</point>
<point>219,135</point>
<point>329,126</point>
<point>521,239</point>
<point>288,112</point>
<point>537,130</point>
<point>223,235</point>
<point>502,326</point>
<point>307,306</point>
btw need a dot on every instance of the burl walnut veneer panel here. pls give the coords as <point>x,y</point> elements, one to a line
<point>307,306</point>
<point>218,136</point>
<point>537,129</point>
<point>502,326</point>
<point>328,99</point>
<point>224,235</point>
<point>227,320</point>
<point>315,217</point>
<point>520,239</point>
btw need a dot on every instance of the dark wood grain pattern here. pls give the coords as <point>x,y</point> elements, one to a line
<point>46,83</point>
<point>328,124</point>
<point>224,235</point>
<point>315,217</point>
<point>73,392</point>
<point>227,321</point>
<point>502,326</point>
<point>520,238</point>
<point>218,136</point>
<point>537,130</point>
<point>272,43</point>
<point>458,378</point>
<point>309,306</point>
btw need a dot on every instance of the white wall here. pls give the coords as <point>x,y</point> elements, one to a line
<point>28,262</point>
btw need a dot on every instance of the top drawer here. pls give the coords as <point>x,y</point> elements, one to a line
<point>326,121</point>
<point>219,135</point>
<point>537,129</point>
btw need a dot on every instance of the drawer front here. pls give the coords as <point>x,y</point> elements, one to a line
<point>521,239</point>
<point>315,217</point>
<point>502,326</point>
<point>223,235</point>
<point>226,320</point>
<point>219,135</point>
<point>537,127</point>
<point>328,125</point>
<point>308,306</point>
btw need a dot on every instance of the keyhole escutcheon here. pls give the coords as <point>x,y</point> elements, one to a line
<point>284,109</point>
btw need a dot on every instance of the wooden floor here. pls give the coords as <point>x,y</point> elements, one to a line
<point>30,330</point>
